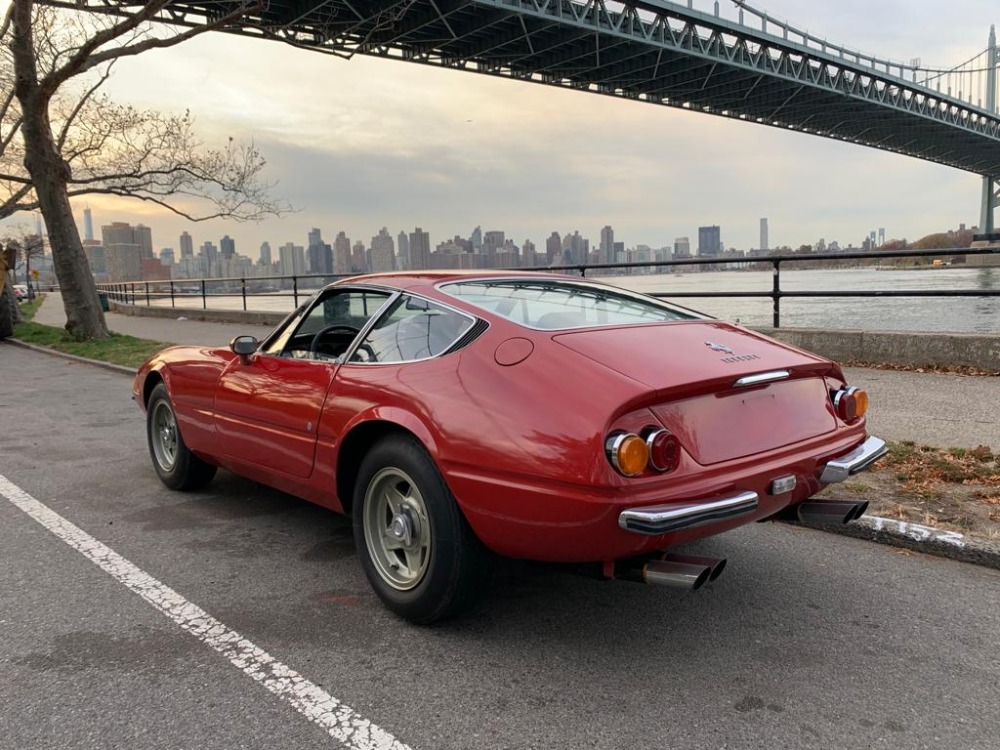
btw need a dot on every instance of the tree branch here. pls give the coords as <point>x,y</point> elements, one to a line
<point>89,56</point>
<point>86,97</point>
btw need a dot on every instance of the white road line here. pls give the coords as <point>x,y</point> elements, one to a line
<point>340,721</point>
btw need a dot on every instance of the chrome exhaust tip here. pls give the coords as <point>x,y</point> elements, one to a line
<point>715,565</point>
<point>831,511</point>
<point>676,574</point>
<point>859,510</point>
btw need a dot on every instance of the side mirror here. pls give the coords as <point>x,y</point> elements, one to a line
<point>243,347</point>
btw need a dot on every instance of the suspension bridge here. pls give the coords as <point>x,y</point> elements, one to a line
<point>731,60</point>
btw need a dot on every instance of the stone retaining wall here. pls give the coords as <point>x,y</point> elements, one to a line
<point>898,348</point>
<point>251,317</point>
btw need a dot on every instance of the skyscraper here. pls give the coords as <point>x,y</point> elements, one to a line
<point>383,252</point>
<point>88,224</point>
<point>342,253</point>
<point>493,242</point>
<point>709,242</point>
<point>210,255</point>
<point>764,246</point>
<point>293,260</point>
<point>187,245</point>
<point>122,252</point>
<point>682,248</point>
<point>404,252</point>
<point>144,239</point>
<point>553,249</point>
<point>420,249</point>
<point>265,253</point>
<point>528,254</point>
<point>358,257</point>
<point>227,247</point>
<point>607,245</point>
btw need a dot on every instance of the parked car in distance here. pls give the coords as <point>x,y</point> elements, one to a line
<point>20,292</point>
<point>458,415</point>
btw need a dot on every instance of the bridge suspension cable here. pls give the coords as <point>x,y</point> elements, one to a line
<point>968,82</point>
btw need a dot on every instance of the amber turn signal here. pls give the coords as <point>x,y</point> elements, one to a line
<point>850,403</point>
<point>627,452</point>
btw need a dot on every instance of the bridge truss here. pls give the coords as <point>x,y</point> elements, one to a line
<point>654,51</point>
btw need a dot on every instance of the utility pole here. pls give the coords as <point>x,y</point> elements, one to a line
<point>991,197</point>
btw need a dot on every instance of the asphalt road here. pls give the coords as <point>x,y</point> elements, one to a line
<point>807,641</point>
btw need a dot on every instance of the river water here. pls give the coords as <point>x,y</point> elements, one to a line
<point>931,314</point>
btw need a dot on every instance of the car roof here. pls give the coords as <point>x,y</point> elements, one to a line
<point>407,280</point>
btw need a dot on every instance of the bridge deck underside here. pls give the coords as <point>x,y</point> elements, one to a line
<point>481,37</point>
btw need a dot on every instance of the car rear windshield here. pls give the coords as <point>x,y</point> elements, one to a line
<point>556,305</point>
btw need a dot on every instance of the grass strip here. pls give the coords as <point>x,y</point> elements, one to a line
<point>119,349</point>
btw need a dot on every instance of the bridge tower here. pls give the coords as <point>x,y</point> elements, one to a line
<point>991,194</point>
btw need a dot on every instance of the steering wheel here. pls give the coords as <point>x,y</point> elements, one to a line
<point>336,328</point>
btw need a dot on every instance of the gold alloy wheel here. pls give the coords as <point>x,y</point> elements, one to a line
<point>396,528</point>
<point>163,435</point>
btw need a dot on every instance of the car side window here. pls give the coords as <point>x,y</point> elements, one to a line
<point>412,329</point>
<point>326,329</point>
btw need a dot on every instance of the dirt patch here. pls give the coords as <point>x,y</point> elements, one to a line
<point>953,489</point>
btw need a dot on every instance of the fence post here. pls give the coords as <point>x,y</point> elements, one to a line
<point>147,294</point>
<point>204,302</point>
<point>295,291</point>
<point>172,294</point>
<point>243,283</point>
<point>776,294</point>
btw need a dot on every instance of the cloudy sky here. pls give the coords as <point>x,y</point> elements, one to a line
<point>364,143</point>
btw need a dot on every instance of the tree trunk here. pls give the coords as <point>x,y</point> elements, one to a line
<point>84,318</point>
<point>9,314</point>
<point>49,175</point>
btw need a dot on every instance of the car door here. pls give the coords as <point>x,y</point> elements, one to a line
<point>268,405</point>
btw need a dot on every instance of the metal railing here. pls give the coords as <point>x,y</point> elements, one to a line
<point>145,292</point>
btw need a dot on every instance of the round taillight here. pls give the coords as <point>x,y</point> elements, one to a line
<point>664,450</point>
<point>627,452</point>
<point>851,403</point>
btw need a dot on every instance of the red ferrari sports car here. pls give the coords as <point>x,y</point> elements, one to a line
<point>532,415</point>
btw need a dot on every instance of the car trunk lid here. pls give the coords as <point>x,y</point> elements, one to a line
<point>692,369</point>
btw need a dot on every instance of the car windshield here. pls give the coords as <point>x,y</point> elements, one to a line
<point>556,305</point>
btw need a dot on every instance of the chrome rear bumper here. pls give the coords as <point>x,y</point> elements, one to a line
<point>660,519</point>
<point>857,460</point>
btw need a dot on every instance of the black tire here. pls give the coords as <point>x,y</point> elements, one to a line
<point>446,574</point>
<point>177,467</point>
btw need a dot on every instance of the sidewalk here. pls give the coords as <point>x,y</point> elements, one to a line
<point>930,409</point>
<point>168,330</point>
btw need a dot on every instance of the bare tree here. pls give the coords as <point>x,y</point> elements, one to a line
<point>28,247</point>
<point>61,137</point>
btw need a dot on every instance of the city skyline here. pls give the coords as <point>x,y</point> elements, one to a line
<point>360,144</point>
<point>602,241</point>
<point>126,253</point>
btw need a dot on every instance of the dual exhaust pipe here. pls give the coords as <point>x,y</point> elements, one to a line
<point>675,570</point>
<point>692,572</point>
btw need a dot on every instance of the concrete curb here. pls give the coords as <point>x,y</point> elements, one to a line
<point>924,539</point>
<point>919,538</point>
<point>120,369</point>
